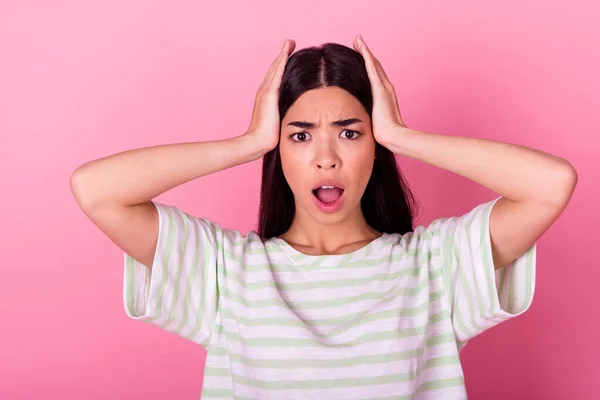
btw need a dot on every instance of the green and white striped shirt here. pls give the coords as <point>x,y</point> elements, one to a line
<point>385,321</point>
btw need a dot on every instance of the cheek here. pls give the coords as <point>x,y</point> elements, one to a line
<point>363,167</point>
<point>292,170</point>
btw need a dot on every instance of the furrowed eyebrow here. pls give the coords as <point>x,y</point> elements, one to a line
<point>339,123</point>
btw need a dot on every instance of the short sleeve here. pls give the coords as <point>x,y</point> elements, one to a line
<point>179,293</point>
<point>481,297</point>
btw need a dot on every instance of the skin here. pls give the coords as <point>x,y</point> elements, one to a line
<point>325,151</point>
<point>535,187</point>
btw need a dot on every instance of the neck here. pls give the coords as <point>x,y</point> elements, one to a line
<point>329,238</point>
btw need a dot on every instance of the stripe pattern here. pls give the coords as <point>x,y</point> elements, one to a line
<point>386,321</point>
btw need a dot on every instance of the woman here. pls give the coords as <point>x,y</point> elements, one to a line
<point>336,295</point>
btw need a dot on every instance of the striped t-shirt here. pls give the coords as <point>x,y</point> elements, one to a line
<point>385,321</point>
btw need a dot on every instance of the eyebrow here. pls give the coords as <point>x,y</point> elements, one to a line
<point>338,123</point>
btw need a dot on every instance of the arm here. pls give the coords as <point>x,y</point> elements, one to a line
<point>115,191</point>
<point>136,176</point>
<point>536,186</point>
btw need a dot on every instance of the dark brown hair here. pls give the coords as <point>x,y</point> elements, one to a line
<point>387,203</point>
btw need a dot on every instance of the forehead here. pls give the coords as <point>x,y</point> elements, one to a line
<point>329,103</point>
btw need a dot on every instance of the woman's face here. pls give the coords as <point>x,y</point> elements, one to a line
<point>344,153</point>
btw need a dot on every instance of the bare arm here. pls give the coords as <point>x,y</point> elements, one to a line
<point>535,186</point>
<point>137,176</point>
<point>115,191</point>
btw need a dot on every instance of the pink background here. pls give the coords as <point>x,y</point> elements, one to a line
<point>81,80</point>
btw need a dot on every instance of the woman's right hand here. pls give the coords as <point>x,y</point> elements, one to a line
<point>265,124</point>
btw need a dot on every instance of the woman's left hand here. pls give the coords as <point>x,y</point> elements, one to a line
<point>385,119</point>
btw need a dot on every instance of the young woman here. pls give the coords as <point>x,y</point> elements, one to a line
<point>336,295</point>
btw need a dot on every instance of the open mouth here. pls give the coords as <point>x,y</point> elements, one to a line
<point>328,195</point>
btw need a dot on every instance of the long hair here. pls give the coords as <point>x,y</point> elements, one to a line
<point>387,202</point>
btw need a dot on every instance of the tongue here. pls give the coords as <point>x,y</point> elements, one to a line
<point>328,195</point>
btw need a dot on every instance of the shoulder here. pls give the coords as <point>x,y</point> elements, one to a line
<point>474,217</point>
<point>174,221</point>
<point>420,236</point>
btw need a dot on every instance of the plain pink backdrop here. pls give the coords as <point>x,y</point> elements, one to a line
<point>81,80</point>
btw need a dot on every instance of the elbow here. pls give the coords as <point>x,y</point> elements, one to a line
<point>566,184</point>
<point>78,183</point>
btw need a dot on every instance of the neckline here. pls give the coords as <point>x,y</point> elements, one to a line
<point>330,259</point>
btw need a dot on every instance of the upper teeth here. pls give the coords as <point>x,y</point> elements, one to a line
<point>327,187</point>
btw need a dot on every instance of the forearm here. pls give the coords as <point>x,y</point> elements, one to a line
<point>516,172</point>
<point>137,176</point>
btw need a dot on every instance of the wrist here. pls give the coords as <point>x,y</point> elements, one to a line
<point>259,143</point>
<point>253,143</point>
<point>399,141</point>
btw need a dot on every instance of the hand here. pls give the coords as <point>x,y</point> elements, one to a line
<point>386,119</point>
<point>265,124</point>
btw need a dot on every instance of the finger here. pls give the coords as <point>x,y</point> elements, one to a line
<point>377,64</point>
<point>383,78</point>
<point>273,66</point>
<point>269,74</point>
<point>369,61</point>
<point>387,84</point>
<point>276,73</point>
<point>277,77</point>
<point>386,81</point>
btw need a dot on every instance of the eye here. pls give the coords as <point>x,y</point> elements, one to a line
<point>303,135</point>
<point>351,132</point>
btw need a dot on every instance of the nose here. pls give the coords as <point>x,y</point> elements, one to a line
<point>326,159</point>
<point>325,165</point>
<point>328,162</point>
<point>326,155</point>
